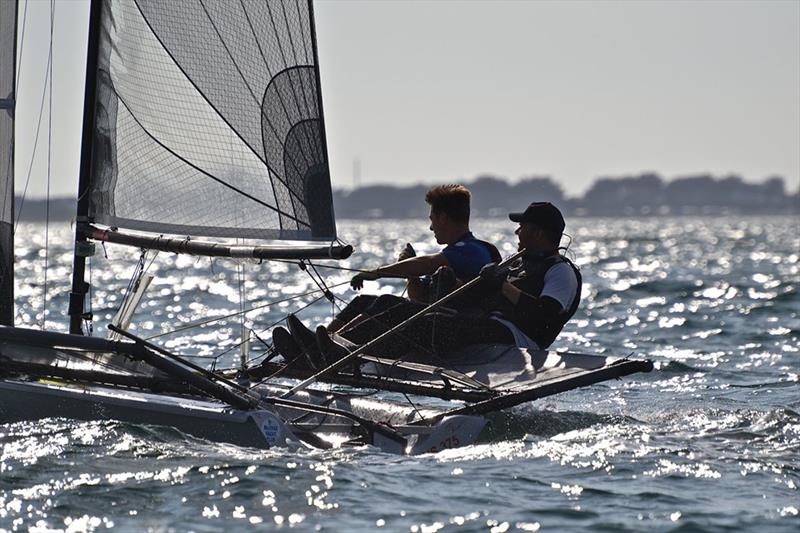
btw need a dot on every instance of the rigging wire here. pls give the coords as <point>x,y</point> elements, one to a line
<point>49,164</point>
<point>48,72</point>
<point>332,267</point>
<point>230,315</point>
<point>400,334</point>
<point>309,304</point>
<point>328,293</point>
<point>414,406</point>
<point>245,337</point>
<point>319,281</point>
<point>321,287</point>
<point>152,259</point>
<point>21,48</point>
<point>133,282</point>
<point>412,342</point>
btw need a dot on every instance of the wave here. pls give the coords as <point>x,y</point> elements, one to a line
<point>676,367</point>
<point>530,421</point>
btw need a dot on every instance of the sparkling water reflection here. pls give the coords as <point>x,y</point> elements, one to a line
<point>708,441</point>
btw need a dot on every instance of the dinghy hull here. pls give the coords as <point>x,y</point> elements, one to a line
<point>20,400</point>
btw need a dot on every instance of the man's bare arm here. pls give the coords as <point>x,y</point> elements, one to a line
<point>421,265</point>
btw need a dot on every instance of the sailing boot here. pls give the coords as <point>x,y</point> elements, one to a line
<point>307,341</point>
<point>285,345</point>
<point>331,349</point>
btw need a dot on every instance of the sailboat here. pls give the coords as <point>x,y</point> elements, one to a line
<point>203,125</point>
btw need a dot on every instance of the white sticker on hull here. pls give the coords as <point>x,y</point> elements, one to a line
<point>451,432</point>
<point>274,430</point>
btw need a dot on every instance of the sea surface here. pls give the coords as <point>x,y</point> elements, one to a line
<point>708,441</point>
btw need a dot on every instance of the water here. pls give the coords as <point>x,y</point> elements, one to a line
<point>709,441</point>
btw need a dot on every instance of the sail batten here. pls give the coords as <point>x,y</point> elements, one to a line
<point>208,121</point>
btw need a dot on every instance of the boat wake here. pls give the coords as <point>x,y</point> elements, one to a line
<point>530,421</point>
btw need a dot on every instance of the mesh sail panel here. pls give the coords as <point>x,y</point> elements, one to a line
<point>208,120</point>
<point>8,37</point>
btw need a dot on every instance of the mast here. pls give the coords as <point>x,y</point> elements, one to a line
<point>79,286</point>
<point>8,70</point>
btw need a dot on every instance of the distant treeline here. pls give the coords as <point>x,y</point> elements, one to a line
<point>36,210</point>
<point>645,194</point>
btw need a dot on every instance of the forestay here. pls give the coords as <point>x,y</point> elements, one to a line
<point>8,39</point>
<point>208,120</point>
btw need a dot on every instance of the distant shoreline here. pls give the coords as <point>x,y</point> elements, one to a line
<point>644,195</point>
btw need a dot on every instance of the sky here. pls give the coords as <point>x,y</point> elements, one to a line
<point>440,91</point>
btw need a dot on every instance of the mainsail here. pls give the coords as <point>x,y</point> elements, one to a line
<point>203,118</point>
<point>208,121</point>
<point>8,53</point>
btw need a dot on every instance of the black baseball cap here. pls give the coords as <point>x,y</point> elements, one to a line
<point>543,214</point>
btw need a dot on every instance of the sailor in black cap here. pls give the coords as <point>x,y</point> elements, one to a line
<point>539,294</point>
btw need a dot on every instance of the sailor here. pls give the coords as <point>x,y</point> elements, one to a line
<point>526,305</point>
<point>429,277</point>
<point>540,293</point>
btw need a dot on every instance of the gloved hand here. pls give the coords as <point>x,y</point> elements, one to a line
<point>407,252</point>
<point>357,283</point>
<point>493,276</point>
